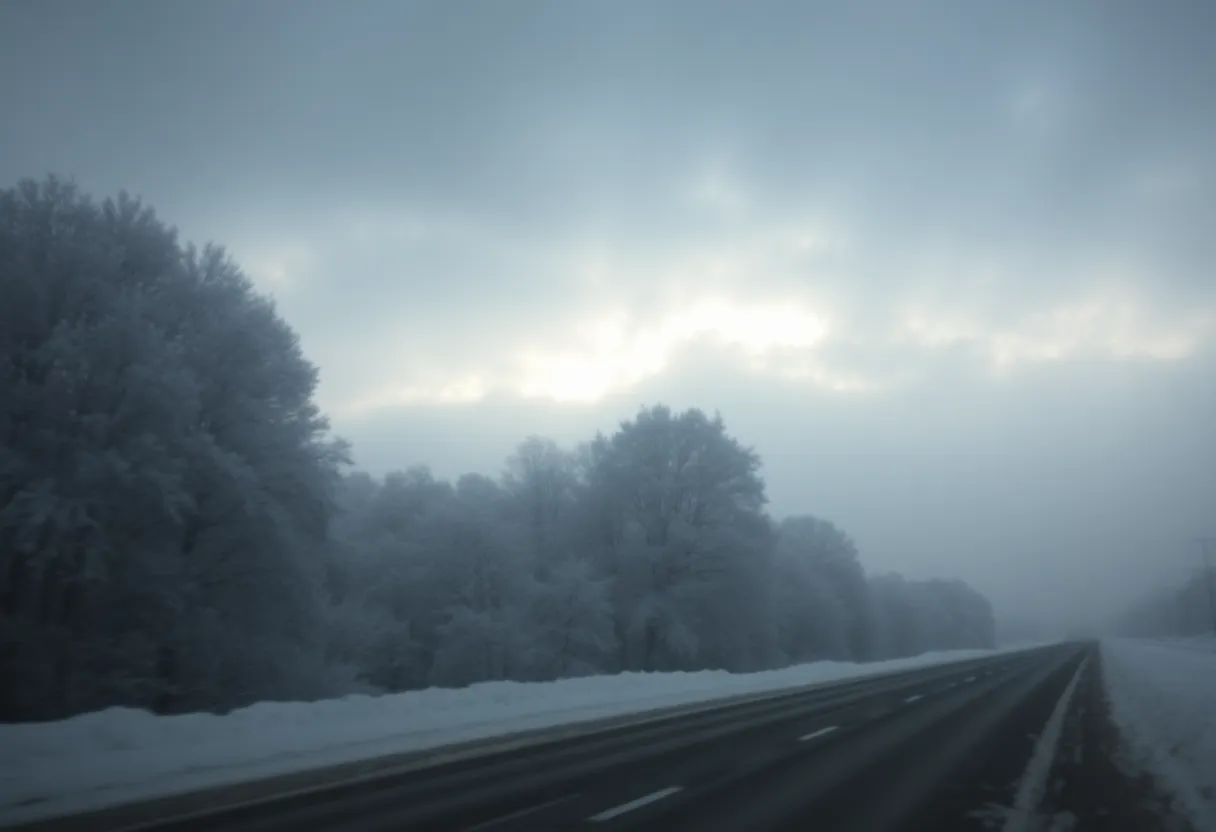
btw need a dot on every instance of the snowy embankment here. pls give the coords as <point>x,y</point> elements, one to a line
<point>1204,644</point>
<point>1163,699</point>
<point>123,755</point>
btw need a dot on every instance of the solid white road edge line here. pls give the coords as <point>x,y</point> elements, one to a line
<point>617,811</point>
<point>816,734</point>
<point>1034,779</point>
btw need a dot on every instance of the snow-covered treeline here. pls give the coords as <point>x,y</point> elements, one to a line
<point>645,550</point>
<point>178,530</point>
<point>1183,610</point>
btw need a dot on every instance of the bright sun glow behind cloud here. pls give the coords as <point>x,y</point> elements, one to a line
<point>613,356</point>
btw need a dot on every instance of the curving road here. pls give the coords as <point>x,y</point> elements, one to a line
<point>994,743</point>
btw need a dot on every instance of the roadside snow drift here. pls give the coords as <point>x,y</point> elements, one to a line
<point>1163,699</point>
<point>123,755</point>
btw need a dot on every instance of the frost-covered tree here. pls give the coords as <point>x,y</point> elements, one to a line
<point>571,622</point>
<point>541,483</point>
<point>484,588</point>
<point>684,538</point>
<point>823,591</point>
<point>389,576</point>
<point>1182,610</point>
<point>910,617</point>
<point>165,479</point>
<point>570,613</point>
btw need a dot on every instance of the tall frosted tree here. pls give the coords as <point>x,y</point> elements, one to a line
<point>910,617</point>
<point>570,614</point>
<point>165,479</point>
<point>822,592</point>
<point>541,484</point>
<point>686,542</point>
<point>1182,610</point>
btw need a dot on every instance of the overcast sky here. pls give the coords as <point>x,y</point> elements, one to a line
<point>947,266</point>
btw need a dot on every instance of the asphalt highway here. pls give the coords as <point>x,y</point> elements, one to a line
<point>994,743</point>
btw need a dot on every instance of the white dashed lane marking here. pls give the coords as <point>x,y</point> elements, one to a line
<point>816,734</point>
<point>490,824</point>
<point>617,811</point>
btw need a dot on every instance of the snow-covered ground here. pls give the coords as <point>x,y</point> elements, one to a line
<point>1204,643</point>
<point>122,755</point>
<point>1163,699</point>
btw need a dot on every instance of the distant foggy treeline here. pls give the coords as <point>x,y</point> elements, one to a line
<point>1184,610</point>
<point>178,531</point>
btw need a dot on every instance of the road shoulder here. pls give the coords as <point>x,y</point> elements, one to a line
<point>1089,791</point>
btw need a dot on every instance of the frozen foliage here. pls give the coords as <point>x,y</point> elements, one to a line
<point>120,755</point>
<point>912,614</point>
<point>646,550</point>
<point>1162,696</point>
<point>165,479</point>
<point>1185,610</point>
<point>177,532</point>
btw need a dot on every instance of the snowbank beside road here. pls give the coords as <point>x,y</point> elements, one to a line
<point>122,755</point>
<point>1163,699</point>
<point>1204,644</point>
